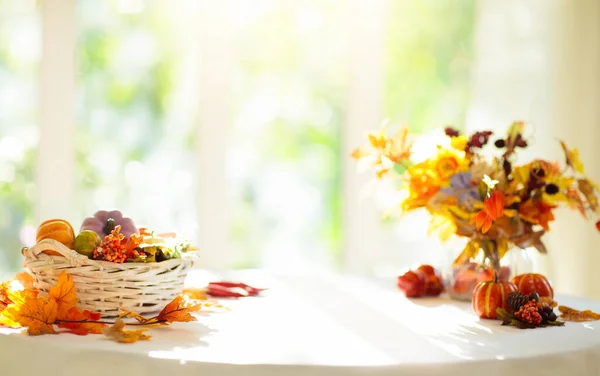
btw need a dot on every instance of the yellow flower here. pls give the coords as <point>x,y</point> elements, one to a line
<point>459,142</point>
<point>556,189</point>
<point>449,162</point>
<point>422,184</point>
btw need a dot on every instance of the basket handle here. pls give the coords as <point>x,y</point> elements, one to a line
<point>53,245</point>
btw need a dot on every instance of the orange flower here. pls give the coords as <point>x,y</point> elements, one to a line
<point>537,212</point>
<point>493,209</point>
<point>449,162</point>
<point>422,184</point>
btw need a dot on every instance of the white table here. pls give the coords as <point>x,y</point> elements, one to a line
<point>321,326</point>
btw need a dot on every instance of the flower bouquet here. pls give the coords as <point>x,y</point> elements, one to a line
<point>492,202</point>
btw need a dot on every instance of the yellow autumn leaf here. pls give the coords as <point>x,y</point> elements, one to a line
<point>37,315</point>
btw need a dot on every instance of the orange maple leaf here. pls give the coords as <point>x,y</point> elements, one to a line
<point>78,322</point>
<point>117,333</point>
<point>179,310</point>
<point>64,294</point>
<point>537,212</point>
<point>25,279</point>
<point>493,209</point>
<point>37,314</point>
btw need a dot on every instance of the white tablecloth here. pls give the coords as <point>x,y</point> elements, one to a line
<point>321,326</point>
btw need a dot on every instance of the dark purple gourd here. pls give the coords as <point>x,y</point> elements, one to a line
<point>103,222</point>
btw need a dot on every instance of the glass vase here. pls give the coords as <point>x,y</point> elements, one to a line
<point>461,278</point>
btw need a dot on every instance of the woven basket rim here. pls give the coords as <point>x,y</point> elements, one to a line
<point>79,259</point>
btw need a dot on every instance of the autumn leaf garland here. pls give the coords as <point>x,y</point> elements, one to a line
<point>22,307</point>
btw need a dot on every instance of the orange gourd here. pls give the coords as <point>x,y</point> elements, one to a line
<point>491,295</point>
<point>57,229</point>
<point>534,282</point>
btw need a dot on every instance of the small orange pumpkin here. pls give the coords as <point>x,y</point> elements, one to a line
<point>534,282</point>
<point>57,229</point>
<point>491,295</point>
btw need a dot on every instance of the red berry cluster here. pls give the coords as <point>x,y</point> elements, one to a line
<point>529,313</point>
<point>117,248</point>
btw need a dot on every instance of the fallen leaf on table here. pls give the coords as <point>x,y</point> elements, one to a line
<point>179,310</point>
<point>195,293</point>
<point>117,333</point>
<point>77,322</point>
<point>38,315</point>
<point>64,294</point>
<point>571,314</point>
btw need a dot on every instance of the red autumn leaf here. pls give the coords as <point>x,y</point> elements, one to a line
<point>77,322</point>
<point>179,310</point>
<point>64,294</point>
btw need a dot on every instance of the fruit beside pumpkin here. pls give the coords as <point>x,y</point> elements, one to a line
<point>425,280</point>
<point>491,295</point>
<point>86,241</point>
<point>57,229</point>
<point>412,283</point>
<point>534,282</point>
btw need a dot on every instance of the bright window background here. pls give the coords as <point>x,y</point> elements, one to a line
<point>137,102</point>
<point>19,59</point>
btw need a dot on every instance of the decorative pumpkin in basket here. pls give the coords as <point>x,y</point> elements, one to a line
<point>114,265</point>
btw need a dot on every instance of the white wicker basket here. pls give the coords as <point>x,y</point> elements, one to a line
<point>106,287</point>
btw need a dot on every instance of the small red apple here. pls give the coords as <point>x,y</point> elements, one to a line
<point>412,283</point>
<point>433,280</point>
<point>427,269</point>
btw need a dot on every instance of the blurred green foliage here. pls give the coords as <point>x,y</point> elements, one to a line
<point>291,76</point>
<point>429,62</point>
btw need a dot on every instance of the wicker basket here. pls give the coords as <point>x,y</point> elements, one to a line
<point>106,287</point>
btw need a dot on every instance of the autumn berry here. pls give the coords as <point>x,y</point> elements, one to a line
<point>598,225</point>
<point>534,296</point>
<point>552,189</point>
<point>520,141</point>
<point>529,313</point>
<point>500,143</point>
<point>479,139</point>
<point>451,132</point>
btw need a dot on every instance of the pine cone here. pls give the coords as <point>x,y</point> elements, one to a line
<point>516,300</point>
